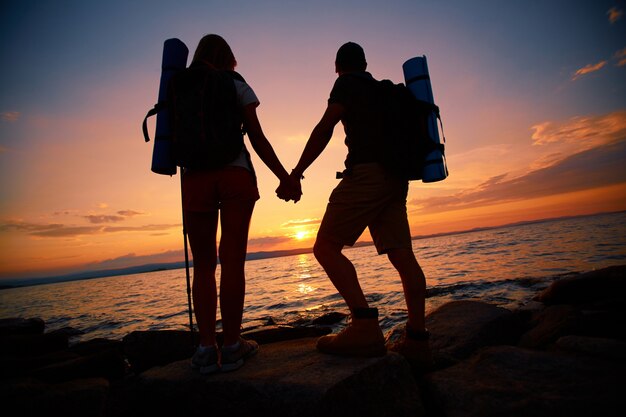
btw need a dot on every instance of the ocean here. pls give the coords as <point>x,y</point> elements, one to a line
<point>505,266</point>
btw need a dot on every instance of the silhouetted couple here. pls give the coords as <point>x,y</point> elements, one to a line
<point>367,196</point>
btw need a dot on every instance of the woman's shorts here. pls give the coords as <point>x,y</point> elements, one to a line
<point>205,191</point>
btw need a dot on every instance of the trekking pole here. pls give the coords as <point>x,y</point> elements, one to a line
<point>187,264</point>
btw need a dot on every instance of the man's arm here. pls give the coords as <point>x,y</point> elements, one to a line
<point>320,136</point>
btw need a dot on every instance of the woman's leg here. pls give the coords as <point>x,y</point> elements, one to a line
<point>202,231</point>
<point>235,222</point>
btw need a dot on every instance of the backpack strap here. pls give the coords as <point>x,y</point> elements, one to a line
<point>157,108</point>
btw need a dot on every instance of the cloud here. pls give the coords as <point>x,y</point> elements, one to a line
<point>587,69</point>
<point>584,130</point>
<point>614,14</point>
<point>132,259</point>
<point>268,240</point>
<point>98,219</point>
<point>302,222</point>
<point>58,230</point>
<point>112,218</point>
<point>596,167</point>
<point>10,116</point>
<point>620,56</point>
<point>130,213</point>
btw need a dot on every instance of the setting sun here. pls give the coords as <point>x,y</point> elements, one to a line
<point>302,234</point>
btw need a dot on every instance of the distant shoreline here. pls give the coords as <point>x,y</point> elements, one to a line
<point>27,282</point>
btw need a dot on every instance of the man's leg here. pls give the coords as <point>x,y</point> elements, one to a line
<point>340,271</point>
<point>363,336</point>
<point>413,284</point>
<point>414,344</point>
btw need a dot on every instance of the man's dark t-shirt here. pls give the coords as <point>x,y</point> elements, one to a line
<point>356,92</point>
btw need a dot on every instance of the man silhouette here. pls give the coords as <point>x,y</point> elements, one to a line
<point>367,196</point>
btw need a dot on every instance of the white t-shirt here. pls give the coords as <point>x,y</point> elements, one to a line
<point>245,96</point>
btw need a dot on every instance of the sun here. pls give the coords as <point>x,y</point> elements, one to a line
<point>301,235</point>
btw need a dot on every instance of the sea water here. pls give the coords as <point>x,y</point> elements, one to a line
<point>505,266</point>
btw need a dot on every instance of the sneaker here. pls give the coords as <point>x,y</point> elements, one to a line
<point>362,338</point>
<point>415,349</point>
<point>205,359</point>
<point>233,357</point>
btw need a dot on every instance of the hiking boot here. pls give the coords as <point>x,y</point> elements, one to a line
<point>205,359</point>
<point>233,356</point>
<point>415,348</point>
<point>362,337</point>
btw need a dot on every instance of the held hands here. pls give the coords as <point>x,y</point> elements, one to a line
<point>290,189</point>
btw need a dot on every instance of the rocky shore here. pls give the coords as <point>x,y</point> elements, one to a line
<point>563,354</point>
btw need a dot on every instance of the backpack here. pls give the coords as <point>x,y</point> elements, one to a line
<point>405,122</point>
<point>205,117</point>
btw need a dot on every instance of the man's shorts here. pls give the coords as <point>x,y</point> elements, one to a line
<point>368,197</point>
<point>206,191</point>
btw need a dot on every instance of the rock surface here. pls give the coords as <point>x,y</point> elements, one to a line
<point>511,381</point>
<point>459,328</point>
<point>287,378</point>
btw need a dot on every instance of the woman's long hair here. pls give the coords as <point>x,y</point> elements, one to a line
<point>214,50</point>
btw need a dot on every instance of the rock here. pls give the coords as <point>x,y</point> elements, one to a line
<point>32,344</point>
<point>69,331</point>
<point>17,325</point>
<point>145,349</point>
<point>511,381</point>
<point>459,328</point>
<point>604,323</point>
<point>106,364</point>
<point>609,349</point>
<point>603,287</point>
<point>287,378</point>
<point>550,324</point>
<point>14,366</point>
<point>329,318</point>
<point>78,398</point>
<point>272,334</point>
<point>90,347</point>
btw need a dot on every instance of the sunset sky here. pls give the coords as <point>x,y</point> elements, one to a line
<point>532,96</point>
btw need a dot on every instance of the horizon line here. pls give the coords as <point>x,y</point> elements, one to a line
<point>8,283</point>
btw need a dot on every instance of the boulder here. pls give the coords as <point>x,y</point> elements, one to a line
<point>13,366</point>
<point>512,381</point>
<point>609,349</point>
<point>18,325</point>
<point>287,378</point>
<point>272,334</point>
<point>145,349</point>
<point>106,364</point>
<point>550,324</point>
<point>604,287</point>
<point>32,344</point>
<point>459,328</point>
<point>77,398</point>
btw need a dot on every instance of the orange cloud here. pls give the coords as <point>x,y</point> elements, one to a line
<point>614,14</point>
<point>590,169</point>
<point>10,116</point>
<point>587,69</point>
<point>59,230</point>
<point>585,130</point>
<point>303,222</point>
<point>621,57</point>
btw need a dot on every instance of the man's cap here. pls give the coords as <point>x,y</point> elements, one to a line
<point>350,54</point>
